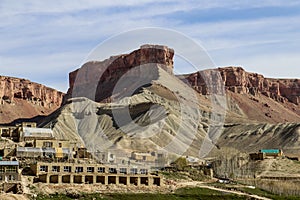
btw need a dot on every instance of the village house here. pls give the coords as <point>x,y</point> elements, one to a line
<point>79,173</point>
<point>9,171</point>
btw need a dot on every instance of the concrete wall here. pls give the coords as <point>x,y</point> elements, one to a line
<point>143,157</point>
<point>55,143</point>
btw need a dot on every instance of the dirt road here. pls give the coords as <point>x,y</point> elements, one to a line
<point>202,185</point>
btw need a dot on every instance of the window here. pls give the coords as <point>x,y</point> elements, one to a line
<point>101,169</point>
<point>112,170</point>
<point>47,144</point>
<point>60,145</point>
<point>11,169</point>
<point>67,168</point>
<point>78,169</point>
<point>123,170</point>
<point>55,168</point>
<point>2,169</point>
<point>11,178</point>
<point>1,178</point>
<point>143,171</point>
<point>144,158</point>
<point>90,169</point>
<point>43,168</point>
<point>133,170</point>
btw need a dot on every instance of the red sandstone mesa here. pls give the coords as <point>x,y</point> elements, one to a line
<point>105,74</point>
<point>235,79</point>
<point>15,88</point>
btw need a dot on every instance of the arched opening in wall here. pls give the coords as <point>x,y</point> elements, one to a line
<point>54,179</point>
<point>123,180</point>
<point>156,181</point>
<point>112,180</point>
<point>78,179</point>
<point>145,180</point>
<point>89,179</point>
<point>66,179</point>
<point>100,179</point>
<point>42,179</point>
<point>134,180</point>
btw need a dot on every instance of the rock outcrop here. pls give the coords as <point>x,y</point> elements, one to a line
<point>21,99</point>
<point>15,88</point>
<point>255,107</point>
<point>96,79</point>
<point>237,80</point>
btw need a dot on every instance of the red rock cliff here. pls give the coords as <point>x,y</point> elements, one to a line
<point>105,74</point>
<point>237,80</point>
<point>12,89</point>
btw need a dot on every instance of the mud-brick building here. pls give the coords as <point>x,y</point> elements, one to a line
<point>83,173</point>
<point>9,171</point>
<point>30,134</point>
<point>41,142</point>
<point>140,156</point>
<point>13,132</point>
<point>272,152</point>
<point>9,132</point>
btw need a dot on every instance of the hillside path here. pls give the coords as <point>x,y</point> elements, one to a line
<point>201,185</point>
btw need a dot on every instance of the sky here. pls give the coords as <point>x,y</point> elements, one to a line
<point>45,40</point>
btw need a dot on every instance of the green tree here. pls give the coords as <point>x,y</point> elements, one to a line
<point>180,163</point>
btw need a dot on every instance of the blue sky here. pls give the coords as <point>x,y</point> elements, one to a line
<point>44,40</point>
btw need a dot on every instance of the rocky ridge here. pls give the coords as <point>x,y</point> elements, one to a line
<point>237,80</point>
<point>105,74</point>
<point>256,105</point>
<point>254,102</point>
<point>21,98</point>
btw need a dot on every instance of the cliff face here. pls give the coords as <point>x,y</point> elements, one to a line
<point>20,98</point>
<point>14,88</point>
<point>237,80</point>
<point>105,74</point>
<point>278,100</point>
<point>256,106</point>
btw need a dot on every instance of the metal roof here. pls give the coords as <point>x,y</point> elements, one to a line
<point>9,163</point>
<point>270,151</point>
<point>66,150</point>
<point>37,132</point>
<point>37,150</point>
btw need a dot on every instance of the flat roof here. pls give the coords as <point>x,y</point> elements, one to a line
<point>37,150</point>
<point>37,132</point>
<point>270,150</point>
<point>9,163</point>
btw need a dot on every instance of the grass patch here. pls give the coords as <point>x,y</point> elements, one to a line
<point>203,193</point>
<point>174,175</point>
<point>190,174</point>
<point>255,191</point>
<point>180,194</point>
<point>267,194</point>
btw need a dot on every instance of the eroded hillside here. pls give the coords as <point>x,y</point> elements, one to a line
<point>260,112</point>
